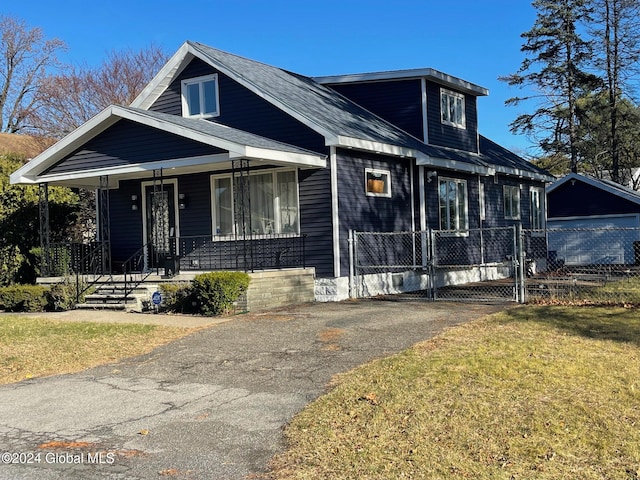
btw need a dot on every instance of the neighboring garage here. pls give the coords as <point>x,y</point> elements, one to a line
<point>593,221</point>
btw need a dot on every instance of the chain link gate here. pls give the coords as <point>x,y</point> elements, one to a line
<point>588,265</point>
<point>475,264</point>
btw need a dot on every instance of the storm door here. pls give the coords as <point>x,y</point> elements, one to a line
<point>160,222</point>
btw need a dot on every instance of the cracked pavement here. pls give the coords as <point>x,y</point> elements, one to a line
<point>211,405</point>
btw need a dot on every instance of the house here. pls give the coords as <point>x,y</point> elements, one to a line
<point>226,162</point>
<point>592,221</point>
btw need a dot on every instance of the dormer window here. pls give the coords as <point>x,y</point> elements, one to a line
<point>200,97</point>
<point>452,108</point>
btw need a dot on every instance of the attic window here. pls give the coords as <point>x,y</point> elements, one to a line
<point>200,97</point>
<point>452,108</point>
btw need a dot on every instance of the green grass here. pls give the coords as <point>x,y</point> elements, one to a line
<point>533,392</point>
<point>33,347</point>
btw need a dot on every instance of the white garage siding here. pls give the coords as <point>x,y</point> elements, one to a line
<point>594,240</point>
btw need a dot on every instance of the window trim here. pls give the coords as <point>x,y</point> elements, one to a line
<point>445,93</point>
<point>459,232</point>
<point>511,189</point>
<point>200,81</point>
<point>276,204</point>
<point>377,171</point>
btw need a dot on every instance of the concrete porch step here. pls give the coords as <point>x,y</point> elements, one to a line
<point>99,306</point>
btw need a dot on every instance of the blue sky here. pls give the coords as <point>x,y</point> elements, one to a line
<point>474,40</point>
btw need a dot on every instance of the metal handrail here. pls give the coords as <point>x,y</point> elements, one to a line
<point>134,261</point>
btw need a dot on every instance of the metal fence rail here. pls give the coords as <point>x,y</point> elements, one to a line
<point>599,265</point>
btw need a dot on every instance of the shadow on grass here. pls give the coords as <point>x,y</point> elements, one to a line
<point>615,324</point>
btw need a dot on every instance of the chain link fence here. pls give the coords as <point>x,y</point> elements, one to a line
<point>499,264</point>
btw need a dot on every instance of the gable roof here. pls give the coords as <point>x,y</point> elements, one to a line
<point>605,185</point>
<point>238,144</point>
<point>341,121</point>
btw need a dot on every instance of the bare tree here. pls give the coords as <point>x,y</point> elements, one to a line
<point>70,99</point>
<point>25,57</point>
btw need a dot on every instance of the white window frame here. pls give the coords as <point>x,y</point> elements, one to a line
<point>276,203</point>
<point>376,172</point>
<point>541,208</point>
<point>509,193</point>
<point>185,100</point>
<point>448,97</point>
<point>462,227</point>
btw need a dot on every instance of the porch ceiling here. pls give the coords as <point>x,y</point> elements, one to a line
<point>236,145</point>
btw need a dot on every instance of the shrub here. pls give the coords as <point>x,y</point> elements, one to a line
<point>178,297</point>
<point>215,292</point>
<point>63,296</point>
<point>24,298</point>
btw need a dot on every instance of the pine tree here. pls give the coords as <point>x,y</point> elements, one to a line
<point>555,67</point>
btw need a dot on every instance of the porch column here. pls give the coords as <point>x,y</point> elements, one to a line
<point>45,232</point>
<point>104,225</point>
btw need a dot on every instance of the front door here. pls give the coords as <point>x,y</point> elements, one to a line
<point>160,222</point>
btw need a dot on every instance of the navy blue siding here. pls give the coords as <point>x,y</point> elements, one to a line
<point>195,219</point>
<point>315,219</point>
<point>366,213</point>
<point>128,142</point>
<point>240,108</point>
<point>398,102</point>
<point>446,135</point>
<point>126,224</point>
<point>582,199</point>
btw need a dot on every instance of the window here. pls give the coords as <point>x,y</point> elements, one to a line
<point>452,108</point>
<point>270,203</point>
<point>511,202</point>
<point>483,208</point>
<point>537,208</point>
<point>453,204</point>
<point>200,97</point>
<point>377,182</point>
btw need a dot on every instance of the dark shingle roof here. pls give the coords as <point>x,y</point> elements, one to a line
<point>224,132</point>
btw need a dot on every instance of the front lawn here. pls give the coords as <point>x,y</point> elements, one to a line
<point>533,392</point>
<point>34,347</point>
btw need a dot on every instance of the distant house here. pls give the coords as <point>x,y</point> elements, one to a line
<point>227,163</point>
<point>579,204</point>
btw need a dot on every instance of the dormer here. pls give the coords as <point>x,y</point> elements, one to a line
<point>437,108</point>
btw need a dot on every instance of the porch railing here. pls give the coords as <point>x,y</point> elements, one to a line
<point>224,252</point>
<point>69,258</point>
<point>79,259</point>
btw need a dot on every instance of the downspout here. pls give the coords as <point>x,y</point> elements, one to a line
<point>335,218</point>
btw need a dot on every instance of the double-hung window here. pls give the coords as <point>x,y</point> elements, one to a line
<point>262,203</point>
<point>200,97</point>
<point>511,196</point>
<point>453,204</point>
<point>452,108</point>
<point>537,208</point>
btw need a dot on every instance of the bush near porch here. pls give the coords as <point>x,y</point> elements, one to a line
<point>37,298</point>
<point>210,294</point>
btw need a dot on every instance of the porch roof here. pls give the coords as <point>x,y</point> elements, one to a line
<point>236,144</point>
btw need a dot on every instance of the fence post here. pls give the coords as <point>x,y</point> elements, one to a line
<point>351,266</point>
<point>521,264</point>
<point>433,284</point>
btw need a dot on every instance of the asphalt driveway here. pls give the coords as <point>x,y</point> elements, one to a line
<point>209,406</point>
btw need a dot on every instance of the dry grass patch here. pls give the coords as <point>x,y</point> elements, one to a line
<point>34,347</point>
<point>545,393</point>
